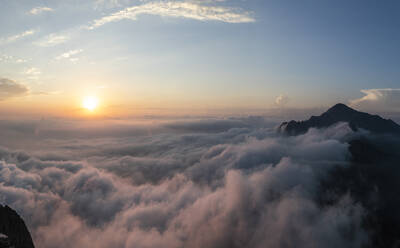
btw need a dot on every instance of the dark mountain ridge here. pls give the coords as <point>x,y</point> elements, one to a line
<point>13,231</point>
<point>372,176</point>
<point>342,113</point>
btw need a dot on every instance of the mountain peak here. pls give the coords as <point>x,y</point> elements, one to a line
<point>340,107</point>
<point>342,113</point>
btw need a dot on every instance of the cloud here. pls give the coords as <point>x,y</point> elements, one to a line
<point>207,125</point>
<point>17,36</point>
<point>190,10</point>
<point>281,100</point>
<point>12,59</point>
<point>21,61</point>
<point>70,55</point>
<point>177,184</point>
<point>53,40</point>
<point>10,89</point>
<point>46,93</point>
<point>39,10</point>
<point>99,4</point>
<point>32,73</point>
<point>378,100</point>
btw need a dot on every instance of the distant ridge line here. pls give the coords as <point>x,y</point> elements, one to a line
<point>342,113</point>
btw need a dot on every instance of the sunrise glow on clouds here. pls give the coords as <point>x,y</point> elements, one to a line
<point>200,123</point>
<point>178,9</point>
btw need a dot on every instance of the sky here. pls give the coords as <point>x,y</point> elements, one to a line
<point>140,56</point>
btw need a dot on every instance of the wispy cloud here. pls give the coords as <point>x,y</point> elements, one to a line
<point>10,89</point>
<point>190,10</point>
<point>70,55</point>
<point>101,4</point>
<point>53,39</point>
<point>18,61</point>
<point>44,93</point>
<point>281,100</point>
<point>378,99</point>
<point>39,10</point>
<point>32,73</point>
<point>16,37</point>
<point>12,59</point>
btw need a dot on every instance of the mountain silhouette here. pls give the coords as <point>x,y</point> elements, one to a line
<point>13,231</point>
<point>371,178</point>
<point>342,113</point>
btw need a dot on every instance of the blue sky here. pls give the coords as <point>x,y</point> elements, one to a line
<point>201,54</point>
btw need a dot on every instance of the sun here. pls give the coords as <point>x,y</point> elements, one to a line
<point>90,103</point>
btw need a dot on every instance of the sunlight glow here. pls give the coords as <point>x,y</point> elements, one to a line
<point>90,103</point>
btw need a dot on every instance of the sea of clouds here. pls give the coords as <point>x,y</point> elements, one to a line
<point>231,182</point>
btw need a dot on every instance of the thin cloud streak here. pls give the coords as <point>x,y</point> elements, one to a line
<point>16,37</point>
<point>53,40</point>
<point>69,54</point>
<point>189,10</point>
<point>39,10</point>
<point>11,59</point>
<point>32,73</point>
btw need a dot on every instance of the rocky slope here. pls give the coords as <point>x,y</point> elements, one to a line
<point>13,231</point>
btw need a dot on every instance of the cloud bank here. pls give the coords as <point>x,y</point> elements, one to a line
<point>189,10</point>
<point>175,184</point>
